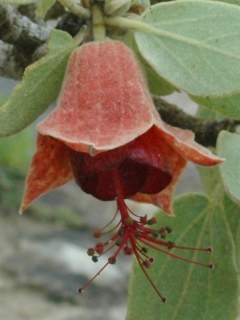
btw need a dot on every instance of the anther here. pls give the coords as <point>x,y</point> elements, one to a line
<point>128,221</point>
<point>112,260</point>
<point>170,245</point>
<point>99,248</point>
<point>151,221</point>
<point>151,260</point>
<point>94,258</point>
<point>90,252</point>
<point>118,242</point>
<point>146,264</point>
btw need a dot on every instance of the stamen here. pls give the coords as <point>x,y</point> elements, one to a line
<point>171,245</point>
<point>132,236</point>
<point>90,252</point>
<point>97,233</point>
<point>172,255</point>
<point>152,221</point>
<point>89,282</point>
<point>145,272</point>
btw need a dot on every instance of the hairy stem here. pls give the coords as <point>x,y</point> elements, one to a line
<point>206,131</point>
<point>75,8</point>
<point>99,31</point>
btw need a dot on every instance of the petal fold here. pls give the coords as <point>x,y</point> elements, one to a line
<point>50,168</point>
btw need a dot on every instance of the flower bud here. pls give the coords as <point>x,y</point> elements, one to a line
<point>117,7</point>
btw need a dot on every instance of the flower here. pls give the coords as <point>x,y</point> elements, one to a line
<point>107,135</point>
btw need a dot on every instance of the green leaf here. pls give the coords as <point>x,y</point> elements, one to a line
<point>236,2</point>
<point>43,6</point>
<point>228,106</point>
<point>228,147</point>
<point>17,2</point>
<point>195,45</point>
<point>193,292</point>
<point>3,98</point>
<point>40,86</point>
<point>156,84</point>
<point>16,151</point>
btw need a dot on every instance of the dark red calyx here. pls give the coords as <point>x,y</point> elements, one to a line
<point>96,174</point>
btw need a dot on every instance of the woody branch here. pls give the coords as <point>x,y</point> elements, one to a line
<point>21,39</point>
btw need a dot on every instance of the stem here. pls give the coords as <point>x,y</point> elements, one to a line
<point>126,23</point>
<point>75,8</point>
<point>79,37</point>
<point>99,31</point>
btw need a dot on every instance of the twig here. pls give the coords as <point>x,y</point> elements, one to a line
<point>206,131</point>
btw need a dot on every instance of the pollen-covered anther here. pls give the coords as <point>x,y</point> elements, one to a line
<point>129,221</point>
<point>147,264</point>
<point>152,221</point>
<point>94,258</point>
<point>170,245</point>
<point>144,250</point>
<point>99,248</point>
<point>118,242</point>
<point>151,260</point>
<point>112,260</point>
<point>90,252</point>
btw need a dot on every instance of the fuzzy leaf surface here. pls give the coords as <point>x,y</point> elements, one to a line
<point>228,147</point>
<point>39,87</point>
<point>195,45</point>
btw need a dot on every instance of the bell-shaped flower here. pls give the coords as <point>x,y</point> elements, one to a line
<point>107,135</point>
